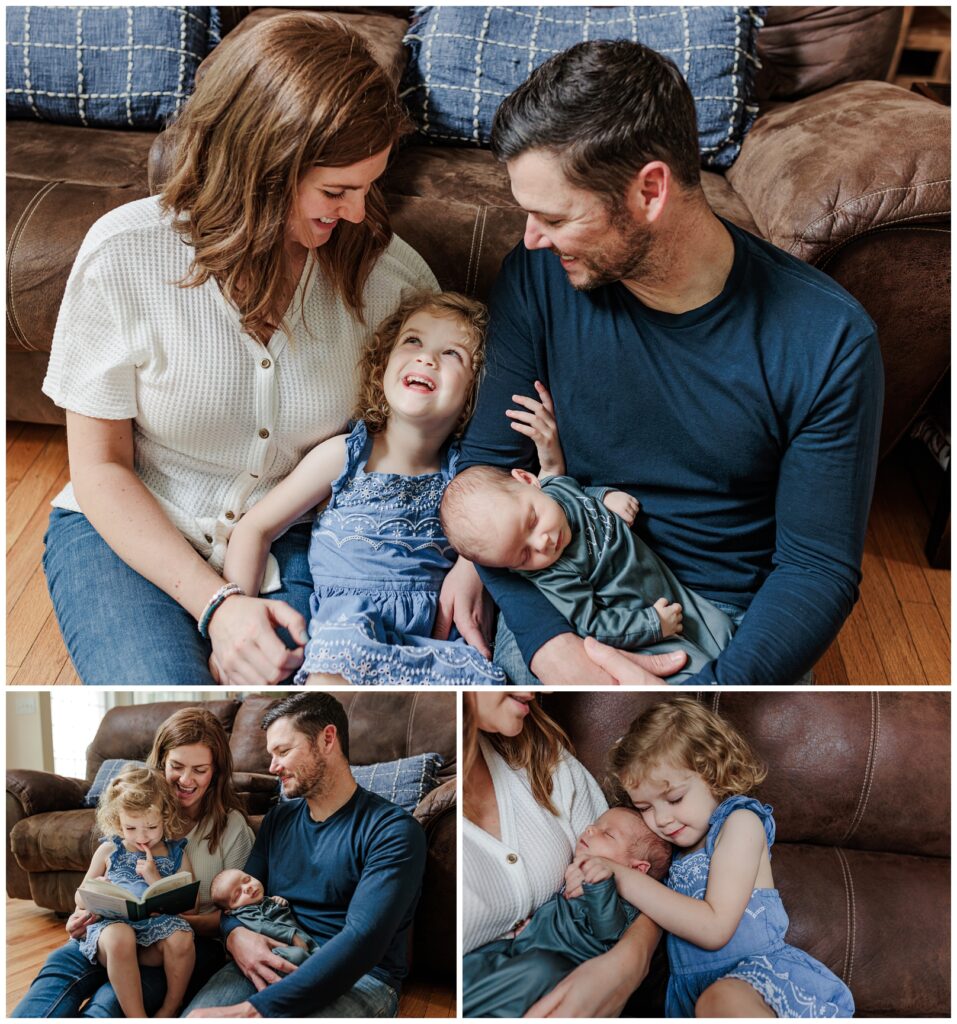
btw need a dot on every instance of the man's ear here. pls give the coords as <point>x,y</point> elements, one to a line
<point>524,477</point>
<point>649,191</point>
<point>329,737</point>
<point>644,866</point>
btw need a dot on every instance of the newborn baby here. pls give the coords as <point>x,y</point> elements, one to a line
<point>505,977</point>
<point>242,896</point>
<point>576,546</point>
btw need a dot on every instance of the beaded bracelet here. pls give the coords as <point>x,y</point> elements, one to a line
<point>214,602</point>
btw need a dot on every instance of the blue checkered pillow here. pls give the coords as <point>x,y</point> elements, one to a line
<point>465,60</point>
<point>106,67</point>
<point>405,782</point>
<point>105,774</point>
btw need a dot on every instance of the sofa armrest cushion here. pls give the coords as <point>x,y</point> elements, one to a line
<point>435,803</point>
<point>819,172</point>
<point>39,792</point>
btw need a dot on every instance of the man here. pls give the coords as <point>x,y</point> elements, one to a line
<point>350,864</point>
<point>734,390</point>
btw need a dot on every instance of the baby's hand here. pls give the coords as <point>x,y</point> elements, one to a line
<point>670,615</point>
<point>596,869</point>
<point>623,505</point>
<point>278,899</point>
<point>573,881</point>
<point>539,424</point>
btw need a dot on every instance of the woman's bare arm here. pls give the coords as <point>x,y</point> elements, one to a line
<point>131,521</point>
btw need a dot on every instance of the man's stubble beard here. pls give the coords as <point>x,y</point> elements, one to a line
<point>631,256</point>
<point>310,780</point>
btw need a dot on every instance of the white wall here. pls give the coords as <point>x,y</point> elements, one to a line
<point>29,732</point>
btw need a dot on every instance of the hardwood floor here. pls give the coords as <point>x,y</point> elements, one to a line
<point>33,933</point>
<point>898,633</point>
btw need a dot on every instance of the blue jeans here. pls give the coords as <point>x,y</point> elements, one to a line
<point>509,658</point>
<point>67,979</point>
<point>368,997</point>
<point>121,629</point>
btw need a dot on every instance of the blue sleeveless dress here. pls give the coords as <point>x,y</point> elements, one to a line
<point>378,557</point>
<point>790,981</point>
<point>122,871</point>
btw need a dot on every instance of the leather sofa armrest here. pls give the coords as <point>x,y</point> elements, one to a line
<point>441,799</point>
<point>817,173</point>
<point>39,792</point>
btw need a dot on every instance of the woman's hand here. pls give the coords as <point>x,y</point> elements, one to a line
<point>78,921</point>
<point>146,868</point>
<point>464,603</point>
<point>245,645</point>
<point>539,424</point>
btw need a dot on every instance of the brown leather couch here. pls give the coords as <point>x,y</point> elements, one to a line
<point>860,785</point>
<point>841,169</point>
<point>51,836</point>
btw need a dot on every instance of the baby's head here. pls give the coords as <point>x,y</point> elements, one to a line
<point>232,889</point>
<point>621,836</point>
<point>138,806</point>
<point>677,762</point>
<point>503,520</point>
<point>424,360</point>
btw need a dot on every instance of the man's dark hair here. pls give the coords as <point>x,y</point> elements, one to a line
<point>605,108</point>
<point>310,713</point>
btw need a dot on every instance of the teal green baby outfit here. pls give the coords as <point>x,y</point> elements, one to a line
<point>277,921</point>
<point>607,579</point>
<point>504,978</point>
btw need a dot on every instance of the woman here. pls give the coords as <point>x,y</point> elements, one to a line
<point>526,798</point>
<point>191,748</point>
<point>207,339</point>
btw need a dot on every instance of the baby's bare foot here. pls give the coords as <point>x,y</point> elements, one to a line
<point>670,615</point>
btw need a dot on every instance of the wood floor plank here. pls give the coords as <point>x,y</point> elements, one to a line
<point>30,617</point>
<point>938,582</point>
<point>67,676</point>
<point>46,658</point>
<point>26,554</point>
<point>859,651</point>
<point>23,501</point>
<point>24,449</point>
<point>830,670</point>
<point>931,639</point>
<point>14,430</point>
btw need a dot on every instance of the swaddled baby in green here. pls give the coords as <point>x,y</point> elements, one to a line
<point>239,894</point>
<point>505,977</point>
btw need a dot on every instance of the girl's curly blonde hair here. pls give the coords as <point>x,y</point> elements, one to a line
<point>371,405</point>
<point>135,791</point>
<point>685,732</point>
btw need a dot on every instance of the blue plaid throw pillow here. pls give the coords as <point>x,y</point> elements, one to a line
<point>465,60</point>
<point>404,782</point>
<point>105,67</point>
<point>105,774</point>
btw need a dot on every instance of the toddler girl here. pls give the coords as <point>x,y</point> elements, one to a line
<point>137,811</point>
<point>378,555</point>
<point>688,773</point>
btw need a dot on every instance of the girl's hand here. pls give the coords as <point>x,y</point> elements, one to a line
<point>623,505</point>
<point>573,881</point>
<point>78,921</point>
<point>146,868</point>
<point>245,644</point>
<point>464,603</point>
<point>596,869</point>
<point>539,424</point>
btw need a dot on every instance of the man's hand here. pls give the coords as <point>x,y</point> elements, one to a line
<point>464,602</point>
<point>623,505</point>
<point>539,424</point>
<point>239,1010</point>
<point>254,957</point>
<point>622,667</point>
<point>562,661</point>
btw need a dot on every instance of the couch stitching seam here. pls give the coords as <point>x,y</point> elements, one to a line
<point>15,239</point>
<point>864,795</point>
<point>877,192</point>
<point>851,915</point>
<point>468,269</point>
<point>868,230</point>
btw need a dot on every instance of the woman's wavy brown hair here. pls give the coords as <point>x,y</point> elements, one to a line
<point>136,790</point>
<point>371,405</point>
<point>687,733</point>
<point>296,91</point>
<point>537,749</point>
<point>198,725</point>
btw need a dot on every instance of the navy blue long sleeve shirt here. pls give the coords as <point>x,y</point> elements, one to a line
<point>353,882</point>
<point>748,429</point>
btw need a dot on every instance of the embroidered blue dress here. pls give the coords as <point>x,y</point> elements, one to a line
<point>378,557</point>
<point>790,981</point>
<point>122,871</point>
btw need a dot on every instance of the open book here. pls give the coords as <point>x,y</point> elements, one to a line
<point>170,895</point>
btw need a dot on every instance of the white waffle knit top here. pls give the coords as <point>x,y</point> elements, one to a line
<point>218,418</point>
<point>505,881</point>
<point>232,851</point>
